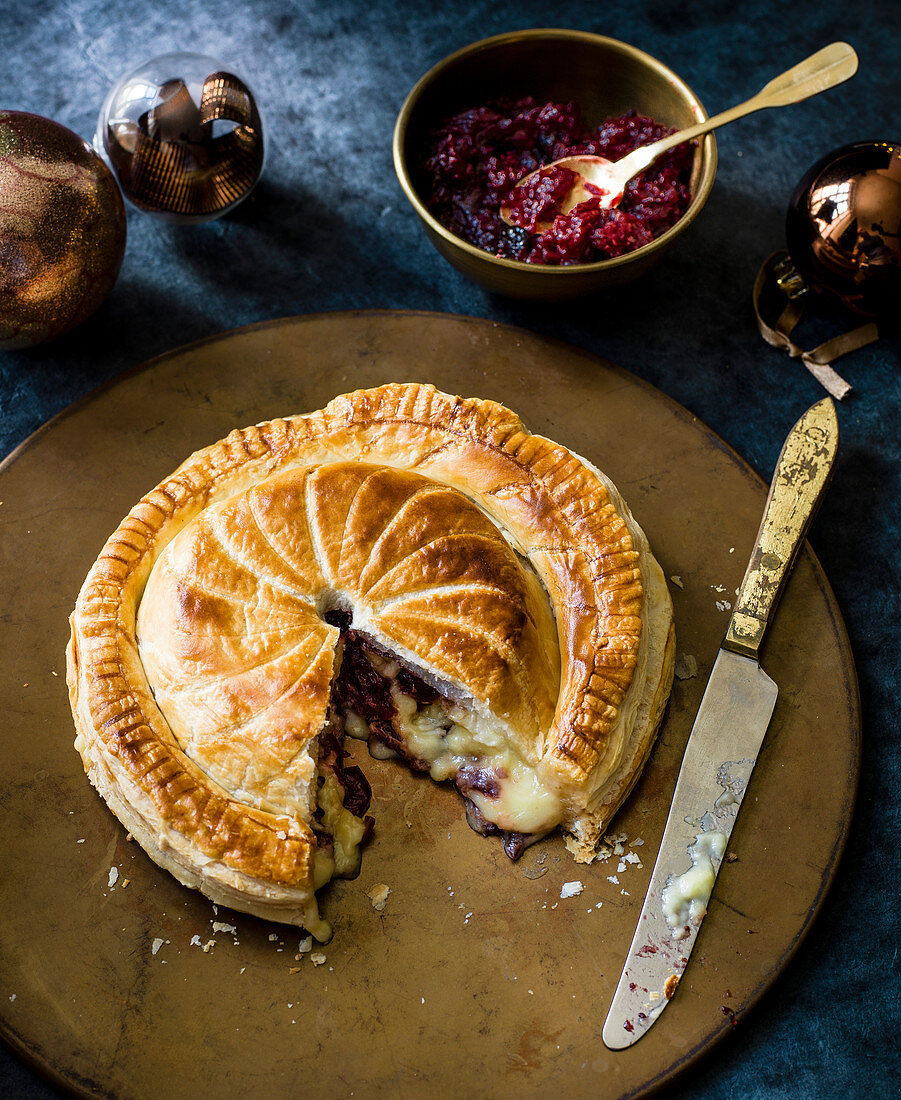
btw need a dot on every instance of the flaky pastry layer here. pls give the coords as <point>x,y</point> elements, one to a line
<point>496,562</point>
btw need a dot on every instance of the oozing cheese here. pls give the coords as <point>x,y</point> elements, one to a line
<point>685,898</point>
<point>346,830</point>
<point>437,734</point>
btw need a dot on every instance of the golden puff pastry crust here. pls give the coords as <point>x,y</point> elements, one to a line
<point>502,569</point>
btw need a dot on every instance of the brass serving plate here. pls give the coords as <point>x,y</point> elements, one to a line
<point>606,78</point>
<point>476,978</point>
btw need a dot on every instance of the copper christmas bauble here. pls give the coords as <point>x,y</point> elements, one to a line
<point>184,136</point>
<point>843,226</point>
<point>62,230</point>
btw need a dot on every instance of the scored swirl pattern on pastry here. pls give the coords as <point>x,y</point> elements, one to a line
<point>494,560</point>
<point>241,661</point>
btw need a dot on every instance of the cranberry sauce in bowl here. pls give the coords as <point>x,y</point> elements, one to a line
<point>472,91</point>
<point>475,158</point>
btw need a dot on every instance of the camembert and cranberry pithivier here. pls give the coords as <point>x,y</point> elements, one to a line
<point>405,566</point>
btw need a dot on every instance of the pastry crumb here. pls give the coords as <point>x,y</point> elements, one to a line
<point>677,581</point>
<point>616,843</point>
<point>571,889</point>
<point>317,958</point>
<point>580,850</point>
<point>378,895</point>
<point>686,666</point>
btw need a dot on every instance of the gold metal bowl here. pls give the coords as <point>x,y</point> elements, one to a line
<point>605,78</point>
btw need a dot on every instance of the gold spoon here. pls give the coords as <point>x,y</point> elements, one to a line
<point>597,177</point>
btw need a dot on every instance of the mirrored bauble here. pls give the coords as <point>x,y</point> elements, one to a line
<point>843,225</point>
<point>184,136</point>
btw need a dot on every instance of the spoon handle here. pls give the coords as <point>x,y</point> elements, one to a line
<point>827,67</point>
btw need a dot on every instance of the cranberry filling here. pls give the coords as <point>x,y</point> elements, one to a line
<point>363,689</point>
<point>359,686</point>
<point>514,843</point>
<point>471,778</point>
<point>475,158</point>
<point>357,792</point>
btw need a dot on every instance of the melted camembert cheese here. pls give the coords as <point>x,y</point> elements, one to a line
<point>440,735</point>
<point>346,830</point>
<point>685,898</point>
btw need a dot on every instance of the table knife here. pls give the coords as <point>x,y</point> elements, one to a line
<point>724,742</point>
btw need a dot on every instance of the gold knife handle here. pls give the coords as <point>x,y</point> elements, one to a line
<point>803,472</point>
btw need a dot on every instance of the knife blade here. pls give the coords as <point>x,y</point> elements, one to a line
<point>725,739</point>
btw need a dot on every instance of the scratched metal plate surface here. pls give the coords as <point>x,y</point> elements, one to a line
<point>473,962</point>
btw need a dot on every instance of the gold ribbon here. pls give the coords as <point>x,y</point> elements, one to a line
<point>818,359</point>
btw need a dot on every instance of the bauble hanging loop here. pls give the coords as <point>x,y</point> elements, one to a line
<point>843,230</point>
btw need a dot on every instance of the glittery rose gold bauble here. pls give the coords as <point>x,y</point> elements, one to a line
<point>62,230</point>
<point>843,226</point>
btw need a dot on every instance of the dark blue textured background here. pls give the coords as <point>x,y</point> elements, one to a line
<point>331,77</point>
